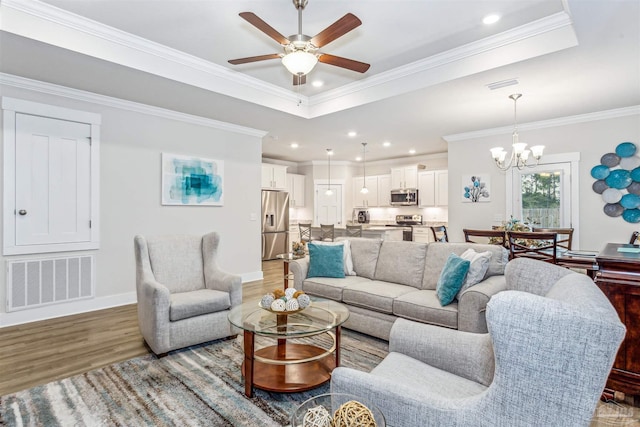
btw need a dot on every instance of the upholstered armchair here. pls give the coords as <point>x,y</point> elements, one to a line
<point>552,340</point>
<point>183,295</point>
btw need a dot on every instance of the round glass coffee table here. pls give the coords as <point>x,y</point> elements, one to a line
<point>284,366</point>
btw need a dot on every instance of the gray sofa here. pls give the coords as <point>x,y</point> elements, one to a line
<point>553,337</point>
<point>397,279</point>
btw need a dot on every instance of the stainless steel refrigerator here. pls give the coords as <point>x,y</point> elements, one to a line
<point>275,224</point>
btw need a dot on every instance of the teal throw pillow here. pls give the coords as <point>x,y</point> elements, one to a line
<point>326,261</point>
<point>451,278</point>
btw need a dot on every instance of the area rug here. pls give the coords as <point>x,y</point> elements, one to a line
<point>197,386</point>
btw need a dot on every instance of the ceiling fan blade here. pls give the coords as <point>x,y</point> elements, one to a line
<point>338,29</point>
<point>299,80</point>
<point>253,19</point>
<point>349,64</point>
<point>255,58</point>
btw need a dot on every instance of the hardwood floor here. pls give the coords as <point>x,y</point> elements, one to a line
<point>40,352</point>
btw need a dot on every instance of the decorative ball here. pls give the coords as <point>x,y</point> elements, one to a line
<point>630,163</point>
<point>317,417</point>
<point>289,292</point>
<point>278,305</point>
<point>278,293</point>
<point>292,305</point>
<point>631,215</point>
<point>626,149</point>
<point>634,188</point>
<point>303,300</point>
<point>599,186</point>
<point>353,413</point>
<point>267,300</point>
<point>630,201</point>
<point>298,293</point>
<point>613,209</point>
<point>610,160</point>
<point>600,172</point>
<point>611,195</point>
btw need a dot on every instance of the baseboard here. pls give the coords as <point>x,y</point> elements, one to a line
<point>83,306</point>
<point>65,309</point>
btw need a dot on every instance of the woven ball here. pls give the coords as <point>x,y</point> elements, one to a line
<point>353,414</point>
<point>317,417</point>
<point>304,300</point>
<point>298,293</point>
<point>278,293</point>
<point>289,292</point>
<point>278,305</point>
<point>266,301</point>
<point>292,305</point>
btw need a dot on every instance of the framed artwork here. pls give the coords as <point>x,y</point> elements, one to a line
<point>192,181</point>
<point>476,188</point>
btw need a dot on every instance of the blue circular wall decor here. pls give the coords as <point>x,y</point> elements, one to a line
<point>618,181</point>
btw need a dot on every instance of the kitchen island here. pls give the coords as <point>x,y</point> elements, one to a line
<point>370,232</point>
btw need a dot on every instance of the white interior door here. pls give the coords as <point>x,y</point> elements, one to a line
<point>53,180</point>
<point>328,208</point>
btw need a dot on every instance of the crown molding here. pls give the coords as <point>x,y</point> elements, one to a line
<point>561,121</point>
<point>108,101</point>
<point>49,24</point>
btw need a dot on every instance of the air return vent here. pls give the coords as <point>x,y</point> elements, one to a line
<point>37,282</point>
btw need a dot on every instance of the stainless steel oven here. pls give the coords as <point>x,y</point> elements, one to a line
<point>405,222</point>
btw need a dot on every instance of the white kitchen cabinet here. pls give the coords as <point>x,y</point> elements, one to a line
<point>295,187</point>
<point>442,188</point>
<point>433,188</point>
<point>406,177</point>
<point>384,190</point>
<point>422,235</point>
<point>369,199</point>
<point>274,177</point>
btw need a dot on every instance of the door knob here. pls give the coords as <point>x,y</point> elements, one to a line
<point>22,212</point>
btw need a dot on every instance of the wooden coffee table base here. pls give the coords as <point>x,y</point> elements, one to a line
<point>287,372</point>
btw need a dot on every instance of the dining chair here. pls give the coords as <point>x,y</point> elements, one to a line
<point>305,232</point>
<point>493,237</point>
<point>634,237</point>
<point>440,233</point>
<point>354,231</point>
<point>565,235</point>
<point>536,245</point>
<point>327,232</point>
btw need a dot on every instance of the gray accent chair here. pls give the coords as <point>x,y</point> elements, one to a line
<point>183,295</point>
<point>553,337</point>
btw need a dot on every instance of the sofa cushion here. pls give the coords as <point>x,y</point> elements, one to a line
<point>364,254</point>
<point>401,262</point>
<point>478,268</point>
<point>195,303</point>
<point>176,262</point>
<point>346,256</point>
<point>325,261</point>
<point>437,254</point>
<point>424,306</point>
<point>328,287</point>
<point>375,295</point>
<point>451,278</point>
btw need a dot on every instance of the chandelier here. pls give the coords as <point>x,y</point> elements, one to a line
<point>329,192</point>
<point>519,157</point>
<point>364,189</point>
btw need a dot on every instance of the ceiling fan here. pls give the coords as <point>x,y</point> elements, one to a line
<point>301,51</point>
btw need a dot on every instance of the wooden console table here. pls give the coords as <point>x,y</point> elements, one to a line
<point>619,278</point>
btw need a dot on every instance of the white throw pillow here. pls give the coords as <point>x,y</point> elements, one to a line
<point>477,269</point>
<point>348,263</point>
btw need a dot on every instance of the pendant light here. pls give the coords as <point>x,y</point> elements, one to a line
<point>519,154</point>
<point>364,189</point>
<point>329,192</point>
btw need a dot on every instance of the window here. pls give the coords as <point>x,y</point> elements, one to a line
<point>546,195</point>
<point>50,178</point>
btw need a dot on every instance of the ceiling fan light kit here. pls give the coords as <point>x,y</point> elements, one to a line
<point>301,51</point>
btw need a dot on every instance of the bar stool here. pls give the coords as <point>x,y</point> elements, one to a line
<point>305,232</point>
<point>327,232</point>
<point>354,231</point>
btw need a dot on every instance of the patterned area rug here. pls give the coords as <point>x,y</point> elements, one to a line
<point>197,386</point>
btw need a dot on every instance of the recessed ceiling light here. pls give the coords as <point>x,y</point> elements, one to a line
<point>294,145</point>
<point>317,83</point>
<point>386,144</point>
<point>358,159</point>
<point>412,151</point>
<point>491,19</point>
<point>352,134</point>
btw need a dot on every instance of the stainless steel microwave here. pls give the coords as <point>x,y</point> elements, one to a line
<point>404,197</point>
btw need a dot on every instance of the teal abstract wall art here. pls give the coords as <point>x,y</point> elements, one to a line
<point>189,181</point>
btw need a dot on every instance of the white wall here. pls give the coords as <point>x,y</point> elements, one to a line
<point>591,139</point>
<point>130,178</point>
